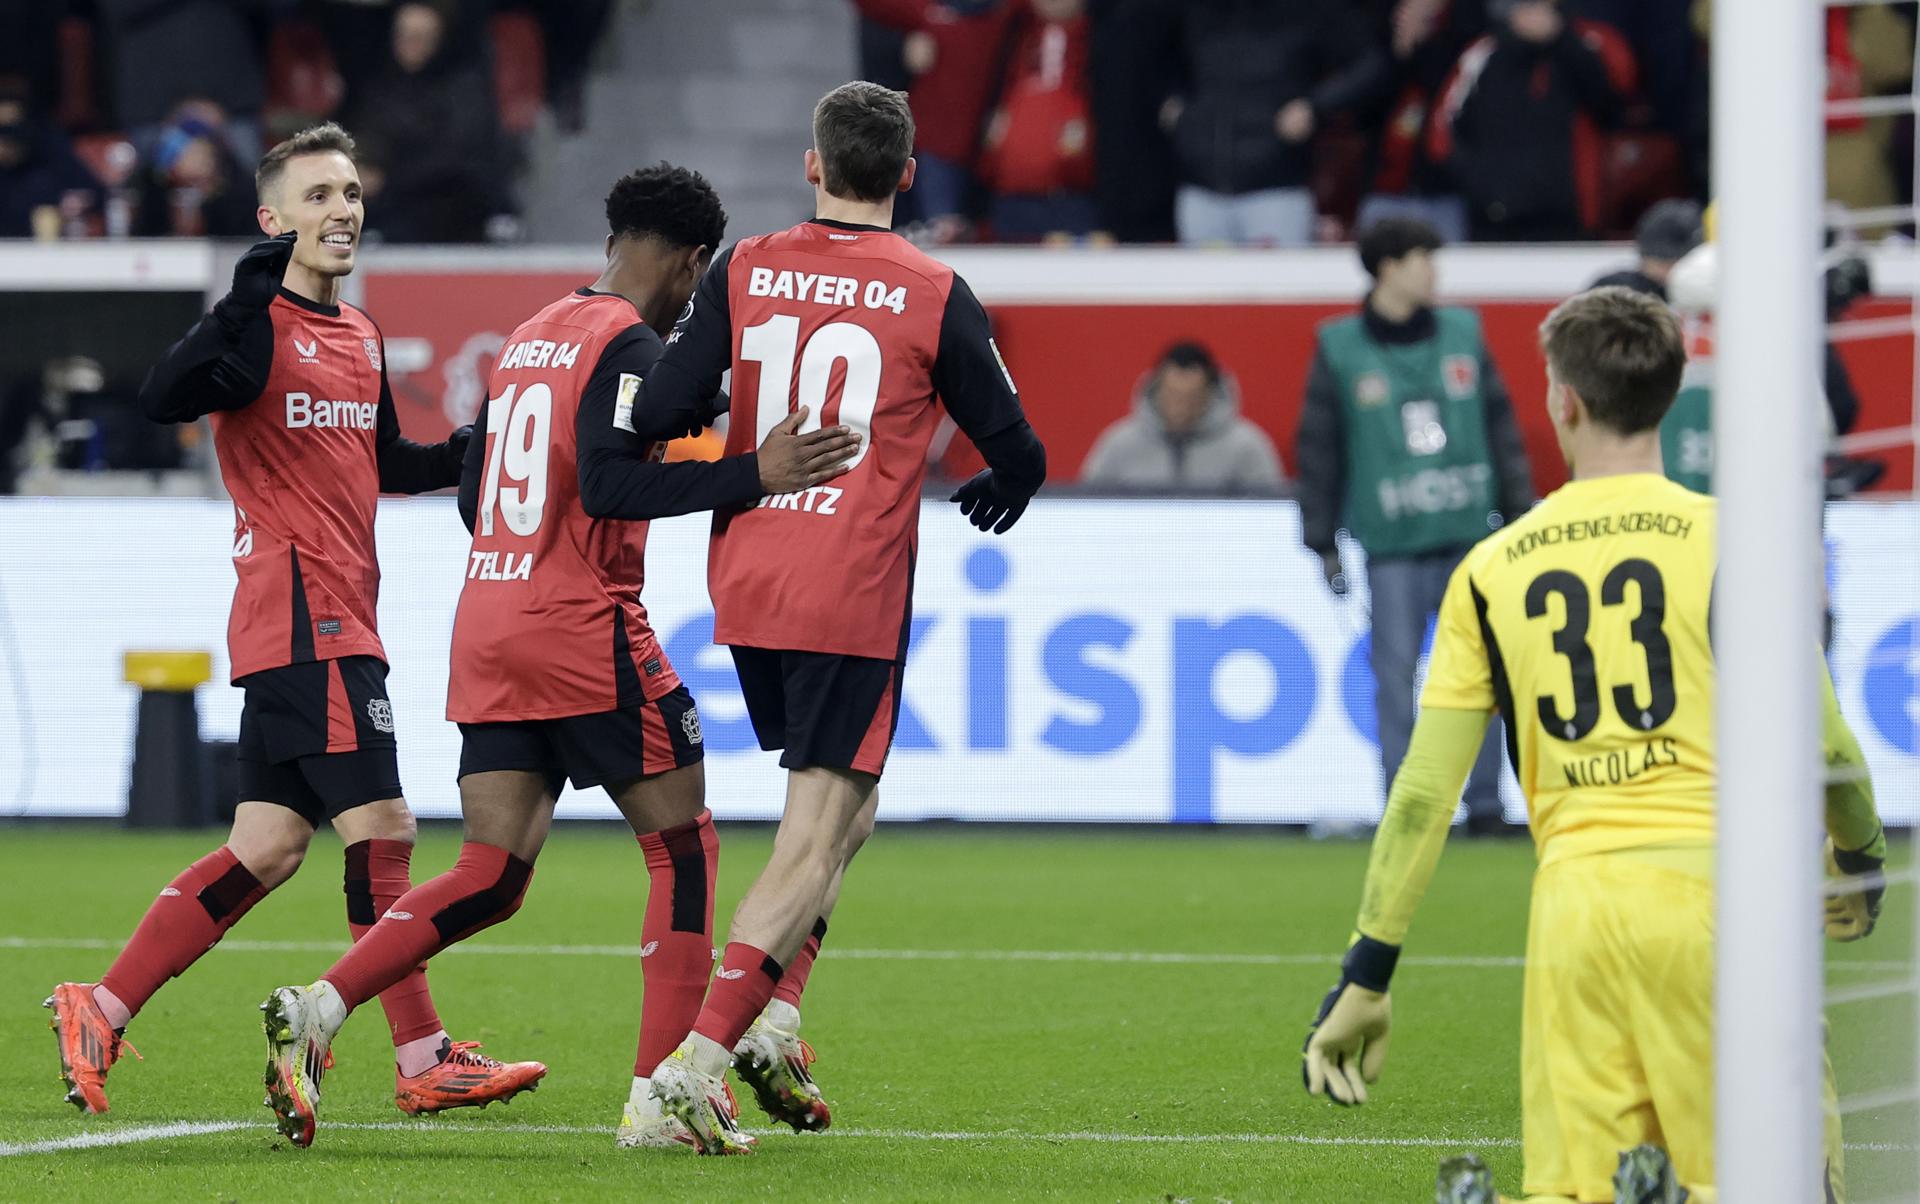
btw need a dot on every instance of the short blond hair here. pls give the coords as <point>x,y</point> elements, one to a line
<point>314,140</point>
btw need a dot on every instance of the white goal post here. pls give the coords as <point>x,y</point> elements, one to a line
<point>1769,437</point>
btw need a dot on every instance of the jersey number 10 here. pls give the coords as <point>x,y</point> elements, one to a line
<point>1647,629</point>
<point>520,430</point>
<point>775,346</point>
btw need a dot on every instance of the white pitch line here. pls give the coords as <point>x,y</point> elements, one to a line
<point>133,1136</point>
<point>1127,957</point>
<point>146,1133</point>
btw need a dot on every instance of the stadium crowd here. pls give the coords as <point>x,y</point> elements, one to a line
<point>146,117</point>
<point>1243,121</point>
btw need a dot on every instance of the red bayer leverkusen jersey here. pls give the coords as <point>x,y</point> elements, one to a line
<point>550,622</point>
<point>305,429</point>
<point>866,331</point>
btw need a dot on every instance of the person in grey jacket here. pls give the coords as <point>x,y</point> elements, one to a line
<point>1185,434</point>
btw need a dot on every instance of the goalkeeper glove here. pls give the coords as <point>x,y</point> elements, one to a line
<point>1852,915</point>
<point>256,281</point>
<point>1347,1045</point>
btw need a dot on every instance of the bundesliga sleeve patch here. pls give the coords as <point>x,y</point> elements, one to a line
<point>623,402</point>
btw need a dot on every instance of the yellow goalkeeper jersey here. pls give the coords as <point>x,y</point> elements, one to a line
<point>1585,624</point>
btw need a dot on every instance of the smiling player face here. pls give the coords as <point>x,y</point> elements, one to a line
<point>318,196</point>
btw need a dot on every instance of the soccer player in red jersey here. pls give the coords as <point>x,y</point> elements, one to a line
<point>846,321</point>
<point>305,430</point>
<point>556,673</point>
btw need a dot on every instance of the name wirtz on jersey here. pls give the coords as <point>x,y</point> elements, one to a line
<point>304,410</point>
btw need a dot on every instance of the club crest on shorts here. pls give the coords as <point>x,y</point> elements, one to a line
<point>373,351</point>
<point>381,712</point>
<point>690,724</point>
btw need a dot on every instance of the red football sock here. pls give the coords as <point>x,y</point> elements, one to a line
<point>378,874</point>
<point>676,937</point>
<point>740,992</point>
<point>794,981</point>
<point>189,918</point>
<point>484,887</point>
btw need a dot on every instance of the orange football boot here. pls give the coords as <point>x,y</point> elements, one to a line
<point>89,1046</point>
<point>465,1078</point>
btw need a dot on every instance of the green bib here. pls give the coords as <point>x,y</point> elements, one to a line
<point>1686,433</point>
<point>1419,477</point>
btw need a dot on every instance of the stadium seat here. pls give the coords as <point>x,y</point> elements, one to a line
<point>1642,166</point>
<point>79,77</point>
<point>302,81</point>
<point>519,70</point>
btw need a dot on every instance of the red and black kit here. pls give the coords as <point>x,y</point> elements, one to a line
<point>307,438</point>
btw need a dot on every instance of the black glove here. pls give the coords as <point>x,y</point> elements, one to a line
<point>256,280</point>
<point>456,446</point>
<point>1850,917</point>
<point>1336,574</point>
<point>986,506</point>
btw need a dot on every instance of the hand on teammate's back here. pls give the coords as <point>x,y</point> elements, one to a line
<point>1347,1046</point>
<point>986,506</point>
<point>790,461</point>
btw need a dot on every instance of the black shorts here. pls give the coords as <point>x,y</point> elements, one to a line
<point>822,708</point>
<point>589,750</point>
<point>317,738</point>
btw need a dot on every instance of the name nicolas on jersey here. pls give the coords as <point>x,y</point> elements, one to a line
<point>843,292</point>
<point>304,411</point>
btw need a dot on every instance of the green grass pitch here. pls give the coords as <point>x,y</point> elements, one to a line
<point>984,1027</point>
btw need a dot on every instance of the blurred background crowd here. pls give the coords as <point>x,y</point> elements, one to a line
<point>1254,122</point>
<point>1209,123</point>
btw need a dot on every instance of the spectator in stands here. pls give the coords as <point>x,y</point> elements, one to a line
<point>570,32</point>
<point>432,158</point>
<point>31,49</point>
<point>1242,118</point>
<point>192,185</point>
<point>1407,440</point>
<point>166,51</point>
<point>1667,231</point>
<point>1521,117</point>
<point>1185,434</point>
<point>1038,159</point>
<point>44,188</point>
<point>1131,75</point>
<point>1391,94</point>
<point>952,52</point>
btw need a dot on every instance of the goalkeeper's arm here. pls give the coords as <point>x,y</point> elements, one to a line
<point>1347,1045</point>
<point>1856,843</point>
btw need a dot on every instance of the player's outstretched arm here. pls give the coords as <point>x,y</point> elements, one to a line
<point>975,386</point>
<point>223,362</point>
<point>409,467</point>
<point>1856,842</point>
<point>1346,1046</point>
